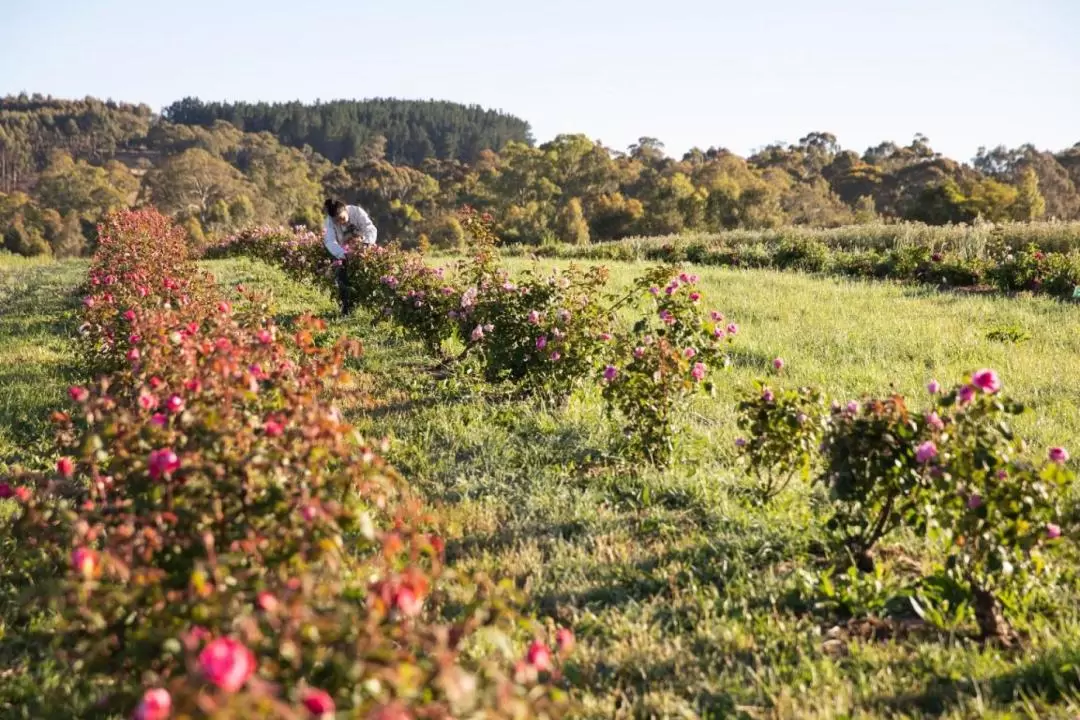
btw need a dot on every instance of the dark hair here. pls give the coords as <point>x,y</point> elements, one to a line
<point>333,207</point>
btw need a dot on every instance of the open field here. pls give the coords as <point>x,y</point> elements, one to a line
<point>687,600</point>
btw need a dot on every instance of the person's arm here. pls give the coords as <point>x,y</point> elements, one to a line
<point>330,241</point>
<point>368,231</point>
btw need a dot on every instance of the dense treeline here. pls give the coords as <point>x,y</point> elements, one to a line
<point>64,163</point>
<point>402,131</point>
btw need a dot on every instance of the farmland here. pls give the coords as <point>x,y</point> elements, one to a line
<point>687,597</point>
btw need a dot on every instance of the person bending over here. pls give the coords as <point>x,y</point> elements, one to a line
<point>345,224</point>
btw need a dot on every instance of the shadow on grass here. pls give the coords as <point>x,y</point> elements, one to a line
<point>1053,678</point>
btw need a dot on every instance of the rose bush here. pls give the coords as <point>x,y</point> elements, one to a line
<point>547,331</point>
<point>673,351</point>
<point>237,549</point>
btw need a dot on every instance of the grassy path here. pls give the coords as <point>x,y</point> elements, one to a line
<point>37,324</point>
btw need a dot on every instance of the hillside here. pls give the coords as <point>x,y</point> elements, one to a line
<point>405,131</point>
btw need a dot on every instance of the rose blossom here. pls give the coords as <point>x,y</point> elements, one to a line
<point>539,656</point>
<point>934,387</point>
<point>698,371</point>
<point>227,663</point>
<point>610,373</point>
<point>84,562</point>
<point>156,704</point>
<point>986,380</point>
<point>318,702</point>
<point>1059,455</point>
<point>926,452</point>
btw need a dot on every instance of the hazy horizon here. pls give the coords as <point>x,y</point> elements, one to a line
<point>691,73</point>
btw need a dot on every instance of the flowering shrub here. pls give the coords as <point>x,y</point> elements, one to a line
<point>782,431</point>
<point>239,551</point>
<point>875,479</point>
<point>547,331</point>
<point>669,354</point>
<point>995,510</point>
<point>1037,271</point>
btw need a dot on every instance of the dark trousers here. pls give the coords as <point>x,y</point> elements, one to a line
<point>342,278</point>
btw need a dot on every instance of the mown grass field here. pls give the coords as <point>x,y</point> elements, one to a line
<point>688,600</point>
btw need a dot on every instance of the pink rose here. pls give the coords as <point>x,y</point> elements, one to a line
<point>264,337</point>
<point>974,501</point>
<point>227,663</point>
<point>6,492</point>
<point>610,373</point>
<point>477,334</point>
<point>84,562</point>
<point>732,329</point>
<point>539,656</point>
<point>78,394</point>
<point>778,363</point>
<point>695,297</point>
<point>148,401</point>
<point>926,452</point>
<point>175,403</point>
<point>133,355</point>
<point>156,704</point>
<point>273,428</point>
<point>556,356</point>
<point>162,462</point>
<point>534,317</point>
<point>1059,455</point>
<point>698,372</point>
<point>717,316</point>
<point>65,467</point>
<point>267,602</point>
<point>934,421</point>
<point>767,395</point>
<point>689,353</point>
<point>639,352</point>
<point>934,387</point>
<point>853,407</point>
<point>541,342</point>
<point>966,395</point>
<point>1053,531</point>
<point>318,702</point>
<point>159,420</point>
<point>564,640</point>
<point>986,380</point>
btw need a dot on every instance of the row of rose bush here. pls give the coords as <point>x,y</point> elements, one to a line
<point>954,471</point>
<point>235,549</point>
<point>547,330</point>
<point>1030,269</point>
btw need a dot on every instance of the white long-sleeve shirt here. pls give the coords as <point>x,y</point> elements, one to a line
<point>359,225</point>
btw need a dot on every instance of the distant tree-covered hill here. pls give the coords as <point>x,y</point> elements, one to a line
<point>403,131</point>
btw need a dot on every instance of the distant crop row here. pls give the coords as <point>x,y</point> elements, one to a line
<point>1035,257</point>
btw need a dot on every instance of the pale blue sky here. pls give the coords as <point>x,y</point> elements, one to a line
<point>690,72</point>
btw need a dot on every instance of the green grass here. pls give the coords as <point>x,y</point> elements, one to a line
<point>37,325</point>
<point>684,596</point>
